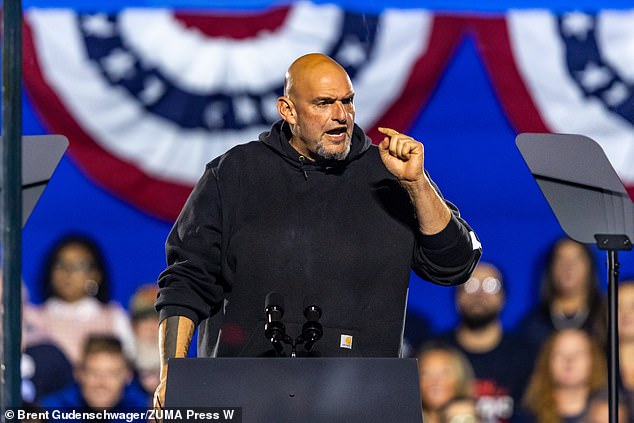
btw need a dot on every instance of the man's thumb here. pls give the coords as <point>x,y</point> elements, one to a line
<point>384,145</point>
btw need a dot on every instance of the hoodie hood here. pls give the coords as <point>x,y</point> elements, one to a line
<point>280,134</point>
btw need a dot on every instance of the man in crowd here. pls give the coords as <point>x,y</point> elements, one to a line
<point>103,379</point>
<point>499,362</point>
<point>144,319</point>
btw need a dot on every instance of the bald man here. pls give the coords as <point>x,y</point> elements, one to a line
<point>315,212</point>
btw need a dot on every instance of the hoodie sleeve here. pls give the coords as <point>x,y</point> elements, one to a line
<point>448,257</point>
<point>191,285</point>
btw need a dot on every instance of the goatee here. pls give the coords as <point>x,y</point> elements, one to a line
<point>338,155</point>
<point>480,321</point>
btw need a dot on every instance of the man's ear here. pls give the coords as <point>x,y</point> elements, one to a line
<point>286,109</point>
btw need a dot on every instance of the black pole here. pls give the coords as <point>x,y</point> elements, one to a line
<point>613,335</point>
<point>612,243</point>
<point>11,184</point>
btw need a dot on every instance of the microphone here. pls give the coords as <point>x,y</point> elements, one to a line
<point>274,329</point>
<point>274,306</point>
<point>312,330</point>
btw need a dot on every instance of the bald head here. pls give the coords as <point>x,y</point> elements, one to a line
<point>306,68</point>
<point>318,106</point>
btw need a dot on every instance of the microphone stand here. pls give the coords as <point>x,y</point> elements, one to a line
<point>275,331</point>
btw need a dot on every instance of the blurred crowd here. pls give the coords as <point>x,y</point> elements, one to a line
<point>83,350</point>
<point>551,368</point>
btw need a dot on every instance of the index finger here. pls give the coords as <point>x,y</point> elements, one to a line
<point>388,131</point>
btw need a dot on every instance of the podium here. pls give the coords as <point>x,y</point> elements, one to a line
<point>315,390</point>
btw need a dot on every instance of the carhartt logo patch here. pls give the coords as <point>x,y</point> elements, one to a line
<point>346,341</point>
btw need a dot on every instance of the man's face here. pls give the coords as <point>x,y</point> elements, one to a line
<point>102,379</point>
<point>324,113</point>
<point>481,299</point>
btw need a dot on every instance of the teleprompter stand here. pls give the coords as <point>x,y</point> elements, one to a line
<point>39,158</point>
<point>592,206</point>
<point>316,390</point>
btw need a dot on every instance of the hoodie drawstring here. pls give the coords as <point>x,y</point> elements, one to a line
<point>302,159</point>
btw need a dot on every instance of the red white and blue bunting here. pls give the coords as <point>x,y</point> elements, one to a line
<point>148,96</point>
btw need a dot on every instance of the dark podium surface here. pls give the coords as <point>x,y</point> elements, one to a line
<point>315,390</point>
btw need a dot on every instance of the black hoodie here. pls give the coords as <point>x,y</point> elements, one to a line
<point>340,234</point>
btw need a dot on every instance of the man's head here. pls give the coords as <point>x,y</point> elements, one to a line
<point>145,322</point>
<point>103,372</point>
<point>318,106</point>
<point>481,299</point>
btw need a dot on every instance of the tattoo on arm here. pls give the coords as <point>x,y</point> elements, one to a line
<point>176,333</point>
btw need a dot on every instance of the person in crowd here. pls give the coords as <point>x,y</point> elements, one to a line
<point>43,367</point>
<point>102,381</point>
<point>492,352</point>
<point>460,410</point>
<point>626,343</point>
<point>444,373</point>
<point>145,321</point>
<point>76,291</point>
<point>569,367</point>
<point>312,211</point>
<point>570,296</point>
<point>598,407</point>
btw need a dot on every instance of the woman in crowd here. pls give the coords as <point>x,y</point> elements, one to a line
<point>75,287</point>
<point>445,373</point>
<point>569,297</point>
<point>570,366</point>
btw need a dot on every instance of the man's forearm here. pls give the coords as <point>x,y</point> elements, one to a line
<point>431,210</point>
<point>175,336</point>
